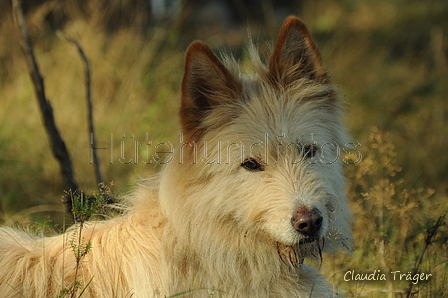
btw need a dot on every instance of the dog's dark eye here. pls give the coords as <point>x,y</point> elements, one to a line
<point>252,165</point>
<point>309,151</point>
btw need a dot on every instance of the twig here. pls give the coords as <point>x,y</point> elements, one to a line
<point>96,163</point>
<point>57,143</point>
<point>431,234</point>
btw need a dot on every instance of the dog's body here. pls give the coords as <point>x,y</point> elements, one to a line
<point>254,188</point>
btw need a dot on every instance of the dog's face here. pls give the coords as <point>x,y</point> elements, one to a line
<point>262,151</point>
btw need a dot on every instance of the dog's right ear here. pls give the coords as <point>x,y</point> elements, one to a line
<point>207,83</point>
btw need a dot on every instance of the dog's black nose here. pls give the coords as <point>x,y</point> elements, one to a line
<point>307,221</point>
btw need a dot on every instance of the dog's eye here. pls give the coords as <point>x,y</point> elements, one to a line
<point>309,151</point>
<point>252,165</point>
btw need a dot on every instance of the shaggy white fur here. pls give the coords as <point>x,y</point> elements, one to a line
<point>258,159</point>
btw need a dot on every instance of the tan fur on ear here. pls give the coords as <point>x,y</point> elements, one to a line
<point>206,84</point>
<point>295,55</point>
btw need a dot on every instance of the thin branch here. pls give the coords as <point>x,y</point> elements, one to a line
<point>57,143</point>
<point>96,163</point>
<point>431,235</point>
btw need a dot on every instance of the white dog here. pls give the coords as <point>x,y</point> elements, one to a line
<point>254,188</point>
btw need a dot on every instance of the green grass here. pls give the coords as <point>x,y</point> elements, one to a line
<point>389,59</point>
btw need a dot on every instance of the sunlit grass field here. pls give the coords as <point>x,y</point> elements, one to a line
<point>389,59</point>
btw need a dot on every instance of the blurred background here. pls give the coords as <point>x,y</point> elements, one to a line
<point>388,58</point>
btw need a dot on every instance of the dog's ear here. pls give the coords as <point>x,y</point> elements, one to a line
<point>207,83</point>
<point>295,56</point>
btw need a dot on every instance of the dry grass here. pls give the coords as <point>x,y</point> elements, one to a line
<point>396,228</point>
<point>388,57</point>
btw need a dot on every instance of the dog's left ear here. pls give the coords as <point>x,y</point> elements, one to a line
<point>207,83</point>
<point>295,56</point>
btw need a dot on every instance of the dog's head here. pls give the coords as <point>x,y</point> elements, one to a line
<point>260,153</point>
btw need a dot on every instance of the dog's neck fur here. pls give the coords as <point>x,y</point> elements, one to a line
<point>233,267</point>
